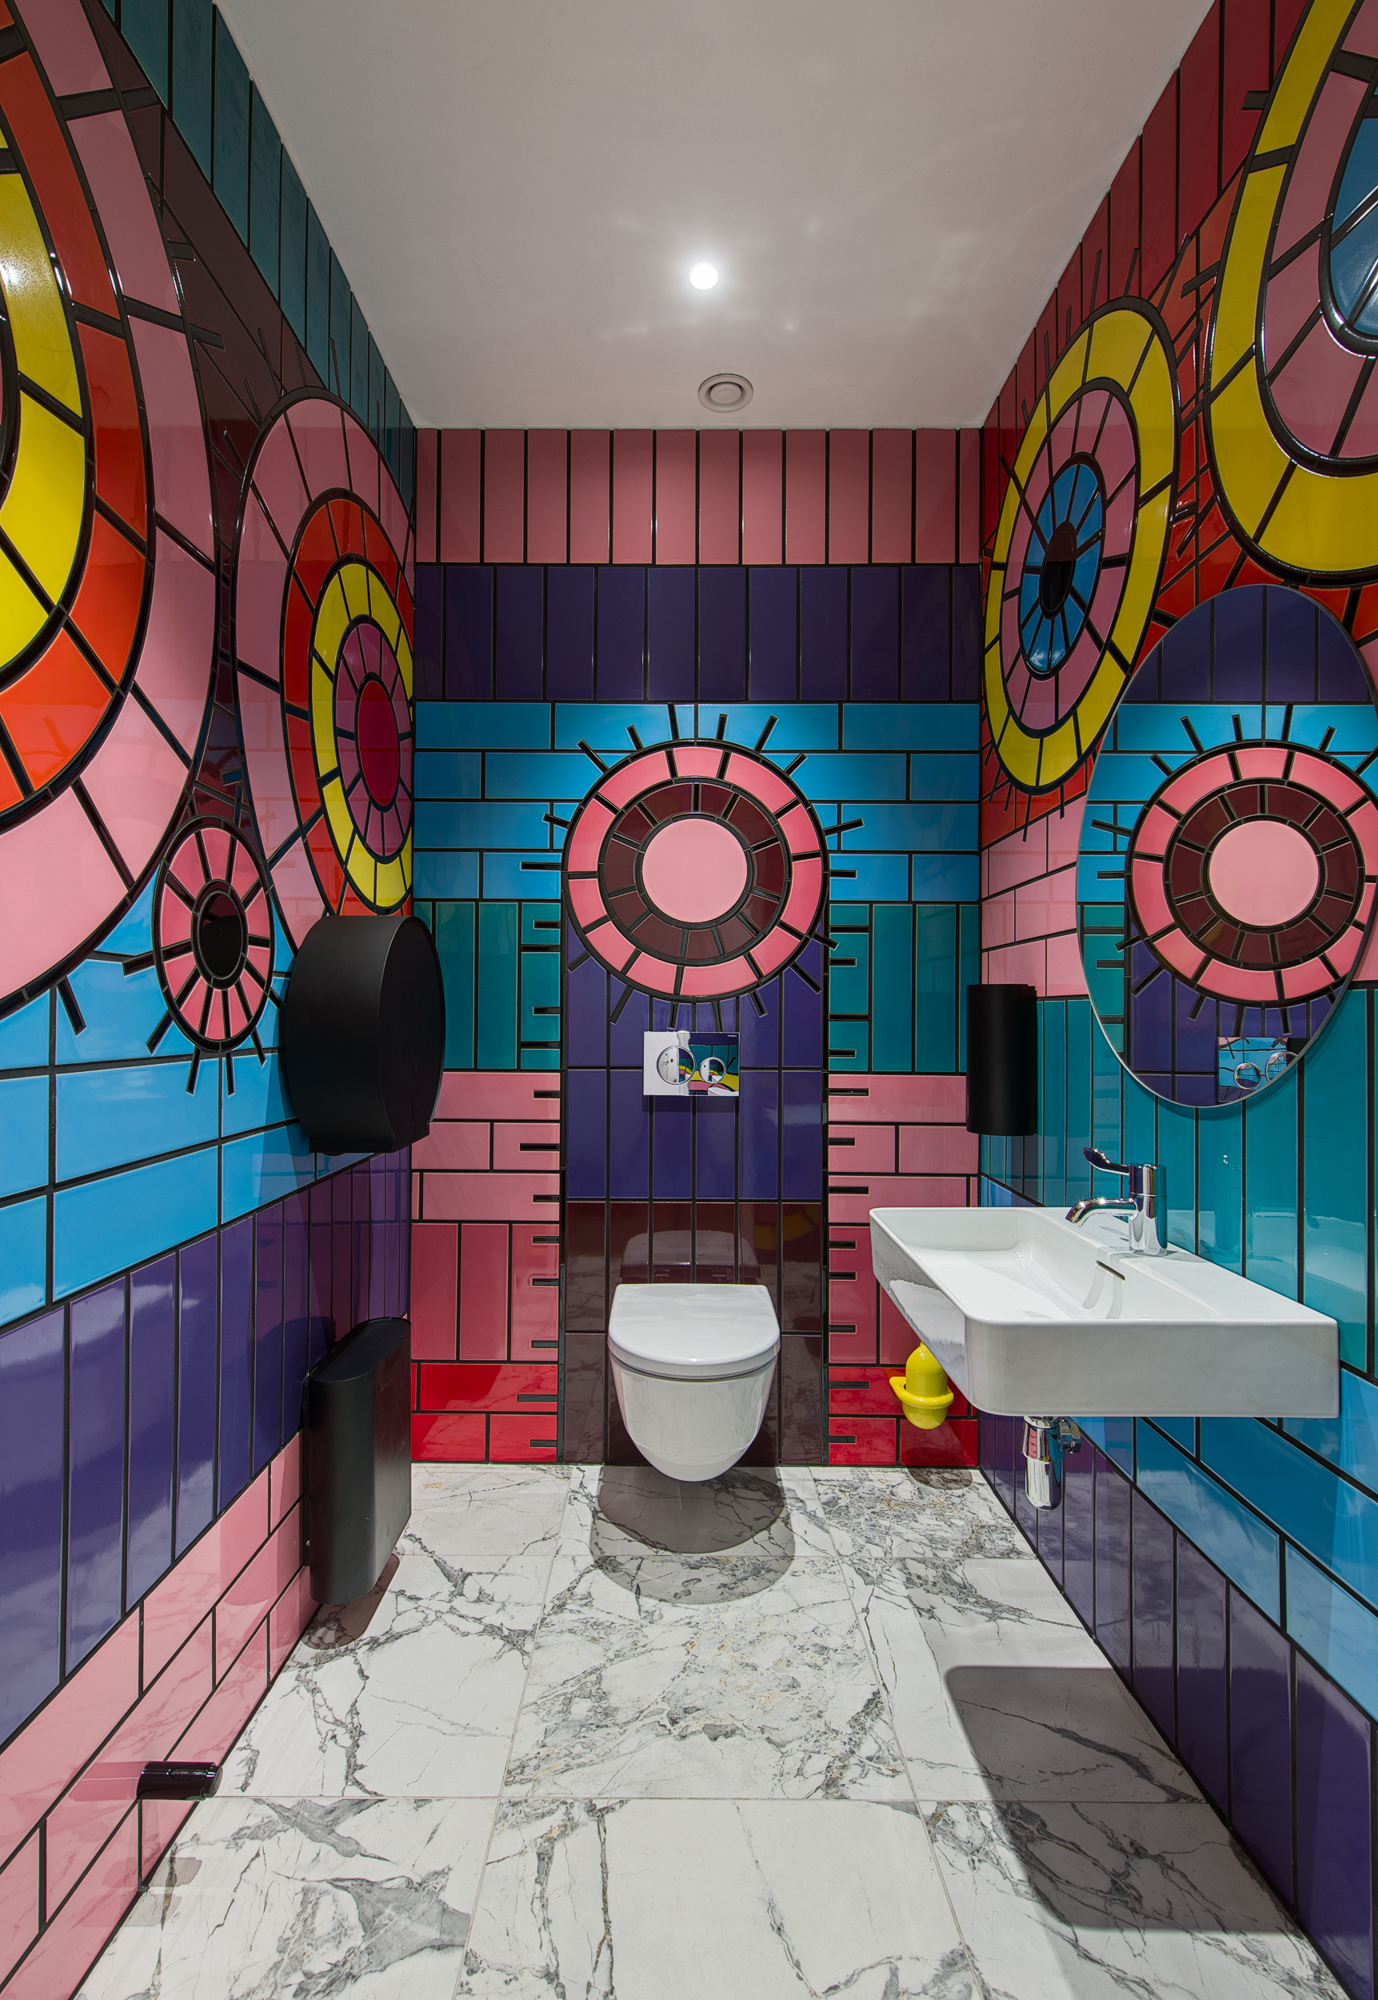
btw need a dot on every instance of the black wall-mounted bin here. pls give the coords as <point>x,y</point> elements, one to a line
<point>1002,1060</point>
<point>358,1458</point>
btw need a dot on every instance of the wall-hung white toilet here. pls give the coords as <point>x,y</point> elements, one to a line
<point>692,1365</point>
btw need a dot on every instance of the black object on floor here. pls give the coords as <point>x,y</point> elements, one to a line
<point>178,1781</point>
<point>358,1458</point>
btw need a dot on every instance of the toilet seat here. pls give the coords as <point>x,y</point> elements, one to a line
<point>693,1333</point>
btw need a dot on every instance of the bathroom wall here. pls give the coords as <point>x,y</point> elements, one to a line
<point>1229,1569</point>
<point>173,1255</point>
<point>585,588</point>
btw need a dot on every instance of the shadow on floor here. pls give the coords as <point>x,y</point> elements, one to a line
<point>701,1542</point>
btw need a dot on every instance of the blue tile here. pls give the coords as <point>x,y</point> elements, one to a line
<point>442,823</point>
<point>1115,1436</point>
<point>1235,1540</point>
<point>267,1336</point>
<point>1261,1741</point>
<point>542,775</point>
<point>1339,1632</point>
<point>1181,1429</point>
<point>669,634</point>
<point>1270,1175</point>
<point>911,726</point>
<point>1334,1778</point>
<point>511,878</point>
<point>926,827</point>
<point>799,725</point>
<point>603,725</point>
<point>259,1097</point>
<point>926,633</point>
<point>23,1133</point>
<point>948,878</point>
<point>872,878</point>
<point>823,634</point>
<point>454,774</point>
<point>264,1167</point>
<point>120,1014</point>
<point>722,634</point>
<point>1335,1076</point>
<point>23,1257</point>
<point>32,1421</point>
<point>152,1423</point>
<point>621,641</point>
<point>824,776</point>
<point>492,725</point>
<point>107,1225</point>
<point>1351,1439</point>
<point>1220,1185</point>
<point>95,1470</point>
<point>236,1360</point>
<point>197,1292</point>
<point>875,633</point>
<point>773,666</point>
<point>946,774</point>
<point>24,1036</point>
<point>1335,1522</point>
<point>109,1118</point>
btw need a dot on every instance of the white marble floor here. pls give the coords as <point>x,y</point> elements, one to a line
<point>784,1737</point>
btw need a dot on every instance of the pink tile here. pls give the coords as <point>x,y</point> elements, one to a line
<point>849,496</point>
<point>763,503</point>
<point>454,1146</point>
<point>535,1293</point>
<point>903,1191</point>
<point>434,1291</point>
<point>460,503</point>
<point>590,496</point>
<point>161,1820</point>
<point>806,496</point>
<point>897,1338</point>
<point>860,1149</point>
<point>415,1197</point>
<point>1064,834</point>
<point>526,1149</point>
<point>230,1707</point>
<point>1018,965</point>
<point>547,496</point>
<point>935,488</point>
<point>47,1754</point>
<point>897,1100</point>
<point>998,920</point>
<point>83,1821</point>
<point>939,1149</point>
<point>720,496</point>
<point>427,468</point>
<point>66,47</point>
<point>492,1198</point>
<point>18,1904</point>
<point>1065,973</point>
<point>174,1609</point>
<point>676,496</point>
<point>504,496</point>
<point>1045,906</point>
<point>288,1619</point>
<point>77,1934</point>
<point>633,500</point>
<point>1019,857</point>
<point>969,498</point>
<point>254,1591</point>
<point>852,1347</point>
<point>135,239</point>
<point>852,1292</point>
<point>483,1291</point>
<point>482,1093</point>
<point>892,496</point>
<point>284,1481</point>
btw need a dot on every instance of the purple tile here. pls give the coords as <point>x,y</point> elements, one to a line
<point>569,634</point>
<point>518,632</point>
<point>773,669</point>
<point>759,1116</point>
<point>586,1014</point>
<point>1049,1540</point>
<point>823,634</point>
<point>32,1385</point>
<point>1078,1531</point>
<point>621,634</point>
<point>1154,1682</point>
<point>669,634</point>
<point>926,633</point>
<point>1291,668</point>
<point>586,1134</point>
<point>267,1335</point>
<point>1202,1698</point>
<point>801,1164</point>
<point>1334,1826</point>
<point>722,638</point>
<point>363,1244</point>
<point>1005,1448</point>
<point>428,647</point>
<point>1185,658</point>
<point>582,1406</point>
<point>468,632</point>
<point>1237,673</point>
<point>341,1253</point>
<point>801,1399</point>
<point>236,1358</point>
<point>152,1423</point>
<point>625,1034</point>
<point>1025,1513</point>
<point>296,1308</point>
<point>985,1446</point>
<point>758,1035</point>
<point>197,1293</point>
<point>875,633</point>
<point>95,1469</point>
<point>802,1029</point>
<point>378,1237</point>
<point>1261,1741</point>
<point>966,633</point>
<point>629,1164</point>
<point>1339,670</point>
<point>1112,1562</point>
<point>671,1148</point>
<point>320,1273</point>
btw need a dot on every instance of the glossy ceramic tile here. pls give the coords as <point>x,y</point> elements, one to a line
<point>486,1510</point>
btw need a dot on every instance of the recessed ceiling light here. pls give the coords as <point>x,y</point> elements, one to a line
<point>725,393</point>
<point>703,276</point>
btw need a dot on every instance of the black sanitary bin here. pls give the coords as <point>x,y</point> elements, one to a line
<point>358,1458</point>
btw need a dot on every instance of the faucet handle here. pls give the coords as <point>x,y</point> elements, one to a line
<point>1099,1159</point>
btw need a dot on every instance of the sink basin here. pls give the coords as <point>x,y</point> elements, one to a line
<point>1031,1316</point>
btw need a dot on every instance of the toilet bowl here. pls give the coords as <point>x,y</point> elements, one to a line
<point>692,1366</point>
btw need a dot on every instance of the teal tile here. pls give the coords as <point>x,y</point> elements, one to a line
<point>1336,1074</point>
<point>1349,1440</point>
<point>945,878</point>
<point>1220,1184</point>
<point>924,828</point>
<point>945,775</point>
<point>496,1037</point>
<point>144,25</point>
<point>193,24</point>
<point>317,295</point>
<point>1053,1161</point>
<point>464,823</point>
<point>454,774</point>
<point>849,973</point>
<point>1236,1541</point>
<point>341,312</point>
<point>1177,1157</point>
<point>112,1117</point>
<point>292,269</point>
<point>849,1046</point>
<point>512,878</point>
<point>454,932</point>
<point>1079,1031</point>
<point>911,725</point>
<point>968,969</point>
<point>540,1059</point>
<point>109,1225</point>
<point>1270,1180</point>
<point>231,129</point>
<point>1333,1521</point>
<point>879,878</point>
<point>537,774</point>
<point>23,1257</point>
<point>823,777</point>
<point>1107,1073</point>
<point>892,1001</point>
<point>23,1134</point>
<point>265,190</point>
<point>541,925</point>
<point>484,725</point>
<point>1115,1436</point>
<point>540,997</point>
<point>1140,1132</point>
<point>1339,1633</point>
<point>262,1168</point>
<point>1182,1429</point>
<point>440,872</point>
<point>24,1036</point>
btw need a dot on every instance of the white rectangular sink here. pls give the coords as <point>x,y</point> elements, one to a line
<point>1031,1316</point>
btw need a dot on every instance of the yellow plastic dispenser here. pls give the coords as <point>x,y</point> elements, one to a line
<point>924,1390</point>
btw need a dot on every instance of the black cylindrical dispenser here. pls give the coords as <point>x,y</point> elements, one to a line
<point>1002,1060</point>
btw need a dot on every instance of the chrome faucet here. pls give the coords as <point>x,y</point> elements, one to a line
<point>1144,1206</point>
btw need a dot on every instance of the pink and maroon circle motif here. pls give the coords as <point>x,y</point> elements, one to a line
<point>213,935</point>
<point>695,871</point>
<point>373,733</point>
<point>1251,873</point>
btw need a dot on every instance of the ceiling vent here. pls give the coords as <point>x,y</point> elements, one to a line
<point>725,394</point>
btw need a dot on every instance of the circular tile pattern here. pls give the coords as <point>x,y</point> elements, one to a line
<point>1079,546</point>
<point>213,935</point>
<point>695,871</point>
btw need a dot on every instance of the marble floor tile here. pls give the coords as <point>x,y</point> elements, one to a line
<point>420,1705</point>
<point>713,1900</point>
<point>489,1510</point>
<point>997,1691</point>
<point>749,1524</point>
<point>259,1901</point>
<point>878,1514</point>
<point>1077,1902</point>
<point>650,1685</point>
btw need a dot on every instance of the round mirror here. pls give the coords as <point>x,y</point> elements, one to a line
<point>1229,849</point>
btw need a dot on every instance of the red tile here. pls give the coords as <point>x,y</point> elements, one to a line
<point>284,1481</point>
<point>535,1293</point>
<point>18,1904</point>
<point>427,473</point>
<point>852,1296</point>
<point>1286,14</point>
<point>230,1707</point>
<point>1026,370</point>
<point>1068,303</point>
<point>48,1752</point>
<point>633,457</point>
<point>720,496</point>
<point>590,496</point>
<point>676,497</point>
<point>1199,139</point>
<point>861,1392</point>
<point>763,500</point>
<point>460,509</point>
<point>863,1441</point>
<point>903,1191</point>
<point>1124,226</point>
<point>939,1149</point>
<point>288,1619</point>
<point>1095,261</point>
<point>862,1149</point>
<point>504,496</point>
<point>1247,29</point>
<point>82,1821</point>
<point>952,1443</point>
<point>454,1145</point>
<point>485,1093</point>
<point>547,496</point>
<point>492,1197</point>
<point>489,1385</point>
<point>522,1440</point>
<point>449,1440</point>
<point>77,1933</point>
<point>806,496</point>
<point>161,1821</point>
<point>849,496</point>
<point>255,1591</point>
<point>526,1149</point>
<point>1159,203</point>
<point>969,498</point>
<point>483,1288</point>
<point>1045,344</point>
<point>897,1100</point>
<point>176,1606</point>
<point>434,1291</point>
<point>892,495</point>
<point>990,473</point>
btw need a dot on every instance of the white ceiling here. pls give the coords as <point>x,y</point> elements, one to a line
<point>891,188</point>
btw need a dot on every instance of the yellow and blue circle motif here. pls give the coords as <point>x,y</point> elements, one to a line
<point>1079,546</point>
